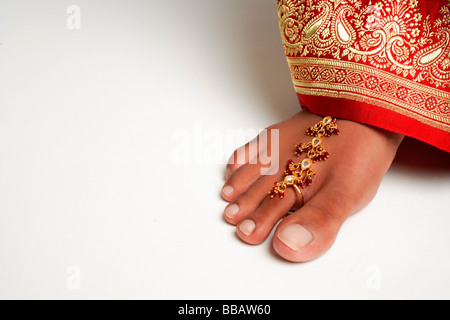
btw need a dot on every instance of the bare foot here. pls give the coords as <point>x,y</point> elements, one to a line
<point>344,184</point>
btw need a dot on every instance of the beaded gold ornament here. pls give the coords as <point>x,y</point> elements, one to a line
<point>300,175</point>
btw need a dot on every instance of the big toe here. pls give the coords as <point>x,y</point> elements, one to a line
<point>308,232</point>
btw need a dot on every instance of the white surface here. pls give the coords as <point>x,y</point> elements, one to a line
<point>100,198</point>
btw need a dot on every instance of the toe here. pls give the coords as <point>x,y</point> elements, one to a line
<point>255,227</point>
<point>241,156</point>
<point>240,181</point>
<point>309,231</point>
<point>248,201</point>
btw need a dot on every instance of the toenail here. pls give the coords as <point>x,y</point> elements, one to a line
<point>228,191</point>
<point>295,236</point>
<point>232,210</point>
<point>247,227</point>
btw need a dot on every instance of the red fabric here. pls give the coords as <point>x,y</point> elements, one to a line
<point>384,63</point>
<point>376,116</point>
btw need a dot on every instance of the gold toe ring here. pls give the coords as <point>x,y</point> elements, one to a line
<point>299,175</point>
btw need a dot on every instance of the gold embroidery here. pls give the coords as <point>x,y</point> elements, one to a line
<point>384,50</point>
<point>326,77</point>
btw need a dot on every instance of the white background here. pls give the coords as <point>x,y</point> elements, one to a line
<point>113,139</point>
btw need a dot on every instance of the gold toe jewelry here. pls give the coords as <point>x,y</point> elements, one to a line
<point>301,201</point>
<point>300,175</point>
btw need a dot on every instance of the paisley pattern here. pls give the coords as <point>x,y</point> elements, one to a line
<point>387,53</point>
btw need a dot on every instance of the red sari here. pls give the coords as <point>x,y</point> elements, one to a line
<point>384,63</point>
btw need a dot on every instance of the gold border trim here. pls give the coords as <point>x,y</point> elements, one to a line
<point>386,100</point>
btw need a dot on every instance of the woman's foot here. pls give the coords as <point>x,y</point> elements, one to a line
<point>344,184</point>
